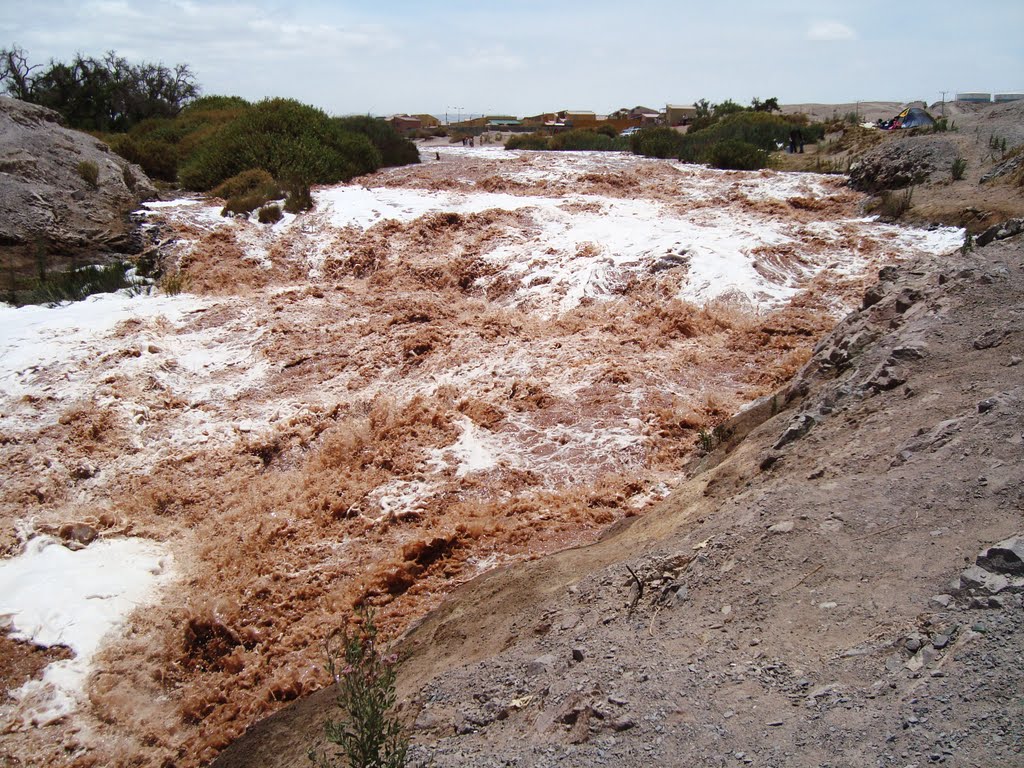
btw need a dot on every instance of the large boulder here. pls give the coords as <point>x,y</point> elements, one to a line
<point>900,163</point>
<point>46,197</point>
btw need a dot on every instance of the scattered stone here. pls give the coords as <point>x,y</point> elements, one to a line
<point>797,428</point>
<point>1014,361</point>
<point>987,404</point>
<point>577,655</point>
<point>540,665</point>
<point>1005,557</point>
<point>940,641</point>
<point>944,600</point>
<point>784,527</point>
<point>993,337</point>
<point>623,724</point>
<point>1004,230</point>
<point>913,643</point>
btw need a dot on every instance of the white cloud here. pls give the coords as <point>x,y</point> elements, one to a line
<point>495,59</point>
<point>830,30</point>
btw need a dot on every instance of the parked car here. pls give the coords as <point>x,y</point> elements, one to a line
<point>630,131</point>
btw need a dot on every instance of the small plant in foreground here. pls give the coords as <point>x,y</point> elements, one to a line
<point>958,168</point>
<point>968,245</point>
<point>369,735</point>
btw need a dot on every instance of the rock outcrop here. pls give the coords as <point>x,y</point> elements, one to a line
<point>898,164</point>
<point>46,197</point>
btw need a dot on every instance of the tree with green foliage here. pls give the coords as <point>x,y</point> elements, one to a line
<point>285,138</point>
<point>394,148</point>
<point>99,94</point>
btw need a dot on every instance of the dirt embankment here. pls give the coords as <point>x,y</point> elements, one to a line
<point>967,176</point>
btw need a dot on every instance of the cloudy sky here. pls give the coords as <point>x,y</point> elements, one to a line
<point>527,56</point>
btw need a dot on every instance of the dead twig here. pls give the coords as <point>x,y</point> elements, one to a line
<point>639,591</point>
<point>806,577</point>
<point>650,627</point>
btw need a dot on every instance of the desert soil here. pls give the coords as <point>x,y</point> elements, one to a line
<point>374,404</point>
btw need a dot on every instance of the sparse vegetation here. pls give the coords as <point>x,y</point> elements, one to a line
<point>893,204</point>
<point>369,735</point>
<point>270,214</point>
<point>534,141</point>
<point>173,283</point>
<point>90,173</point>
<point>957,168</point>
<point>71,285</point>
<point>741,139</point>
<point>577,140</point>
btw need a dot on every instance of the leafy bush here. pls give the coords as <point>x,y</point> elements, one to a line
<point>270,214</point>
<point>369,735</point>
<point>740,140</point>
<point>534,141</point>
<point>299,199</point>
<point>736,155</point>
<point>159,159</point>
<point>246,183</point>
<point>394,148</point>
<point>582,139</point>
<point>90,173</point>
<point>282,137</point>
<point>658,141</point>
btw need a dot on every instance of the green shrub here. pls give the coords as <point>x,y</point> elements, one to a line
<point>270,214</point>
<point>746,138</point>
<point>369,735</point>
<point>299,199</point>
<point>736,155</point>
<point>284,138</point>
<point>893,205</point>
<point>90,173</point>
<point>247,182</point>
<point>658,141</point>
<point>158,158</point>
<point>394,148</point>
<point>76,284</point>
<point>585,140</point>
<point>957,169</point>
<point>173,283</point>
<point>128,177</point>
<point>534,141</point>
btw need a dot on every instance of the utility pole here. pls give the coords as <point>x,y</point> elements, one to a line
<point>943,102</point>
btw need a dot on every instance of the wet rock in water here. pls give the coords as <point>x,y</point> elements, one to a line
<point>77,535</point>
